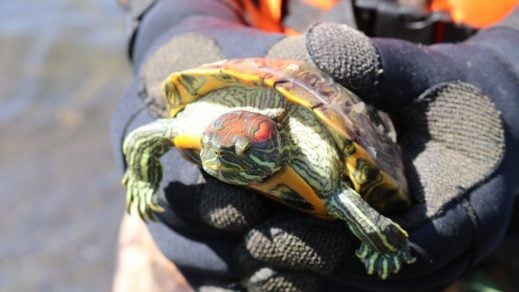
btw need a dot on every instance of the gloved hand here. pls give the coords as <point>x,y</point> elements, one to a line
<point>294,250</point>
<point>460,158</point>
<point>175,35</point>
<point>443,100</point>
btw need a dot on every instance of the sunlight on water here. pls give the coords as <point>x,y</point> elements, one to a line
<point>31,29</point>
<point>63,67</point>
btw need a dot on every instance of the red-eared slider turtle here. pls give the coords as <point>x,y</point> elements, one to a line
<point>283,128</point>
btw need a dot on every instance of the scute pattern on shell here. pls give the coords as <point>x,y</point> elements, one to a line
<point>348,118</point>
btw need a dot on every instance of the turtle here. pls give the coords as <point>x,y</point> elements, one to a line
<point>286,130</point>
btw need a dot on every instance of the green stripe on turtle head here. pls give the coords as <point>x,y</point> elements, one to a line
<point>242,147</point>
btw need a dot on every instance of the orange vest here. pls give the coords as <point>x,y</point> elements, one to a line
<point>268,14</point>
<point>475,13</point>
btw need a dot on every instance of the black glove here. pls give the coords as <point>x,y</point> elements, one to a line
<point>453,144</point>
<point>283,241</point>
<point>461,162</point>
<point>175,35</point>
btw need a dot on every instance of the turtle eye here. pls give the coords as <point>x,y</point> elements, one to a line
<point>241,145</point>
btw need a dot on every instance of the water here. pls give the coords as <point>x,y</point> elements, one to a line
<point>62,68</point>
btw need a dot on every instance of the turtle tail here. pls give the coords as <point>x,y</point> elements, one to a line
<point>142,149</point>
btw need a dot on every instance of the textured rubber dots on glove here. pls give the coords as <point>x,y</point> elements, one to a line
<point>452,139</point>
<point>450,133</point>
<point>290,249</point>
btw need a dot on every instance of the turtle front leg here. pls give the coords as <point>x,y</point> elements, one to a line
<point>142,150</point>
<point>384,246</point>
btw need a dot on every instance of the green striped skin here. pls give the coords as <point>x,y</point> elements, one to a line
<point>241,147</point>
<point>315,156</point>
<point>384,245</point>
<point>143,149</point>
<point>372,187</point>
<point>297,139</point>
<point>144,146</point>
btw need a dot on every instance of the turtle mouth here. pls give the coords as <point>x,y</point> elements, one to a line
<point>226,174</point>
<point>216,166</point>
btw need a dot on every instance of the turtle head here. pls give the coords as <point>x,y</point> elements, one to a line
<point>242,147</point>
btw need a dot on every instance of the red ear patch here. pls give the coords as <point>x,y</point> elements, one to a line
<point>264,132</point>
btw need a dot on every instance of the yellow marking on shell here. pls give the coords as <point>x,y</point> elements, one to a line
<point>290,97</point>
<point>214,79</point>
<point>185,141</point>
<point>335,124</point>
<point>248,73</point>
<point>247,78</point>
<point>267,72</point>
<point>350,161</point>
<point>288,176</point>
<point>184,96</point>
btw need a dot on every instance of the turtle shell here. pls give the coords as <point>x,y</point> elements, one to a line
<point>366,137</point>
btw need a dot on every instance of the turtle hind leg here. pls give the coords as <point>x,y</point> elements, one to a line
<point>142,149</point>
<point>384,245</point>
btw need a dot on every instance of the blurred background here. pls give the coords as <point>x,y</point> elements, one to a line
<point>63,67</point>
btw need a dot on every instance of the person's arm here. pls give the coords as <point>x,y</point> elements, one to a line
<point>174,35</point>
<point>172,38</point>
<point>455,107</point>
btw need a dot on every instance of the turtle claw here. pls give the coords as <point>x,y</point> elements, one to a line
<point>141,198</point>
<point>384,263</point>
